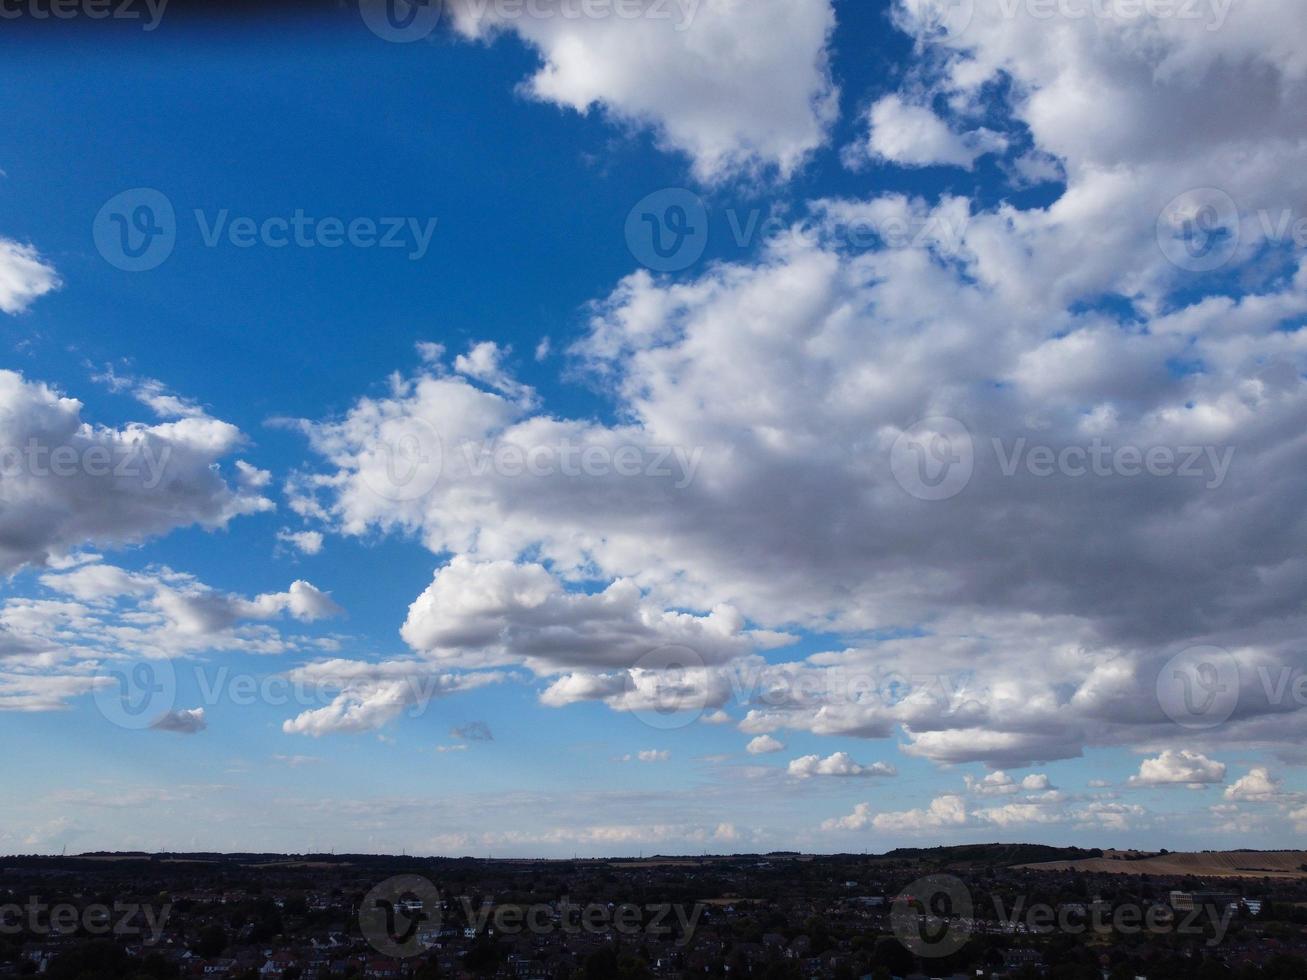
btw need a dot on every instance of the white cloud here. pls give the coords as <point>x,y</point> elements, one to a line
<point>1045,805</point>
<point>24,276</point>
<point>484,362</point>
<point>1182,767</point>
<point>55,646</point>
<point>764,745</point>
<point>372,695</point>
<point>914,136</point>
<point>837,764</point>
<point>1035,602</point>
<point>944,811</point>
<point>1258,786</point>
<point>68,482</point>
<point>478,614</point>
<point>306,542</point>
<point>1101,815</point>
<point>737,85</point>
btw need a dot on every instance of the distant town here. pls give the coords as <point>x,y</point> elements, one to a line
<point>995,910</point>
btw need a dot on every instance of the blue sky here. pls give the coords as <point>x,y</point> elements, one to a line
<point>1030,628</point>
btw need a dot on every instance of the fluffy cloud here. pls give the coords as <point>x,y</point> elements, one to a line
<point>1041,805</point>
<point>307,542</point>
<point>737,85</point>
<point>999,783</point>
<point>484,362</point>
<point>912,135</point>
<point>67,482</point>
<point>764,745</point>
<point>1184,767</point>
<point>477,614</point>
<point>56,641</point>
<point>837,764</point>
<point>371,695</point>
<point>1102,815</point>
<point>944,811</point>
<point>1024,617</point>
<point>24,276</point>
<point>1258,786</point>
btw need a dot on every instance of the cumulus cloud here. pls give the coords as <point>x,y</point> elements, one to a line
<point>24,276</point>
<point>68,482</point>
<point>1183,767</point>
<point>737,85</point>
<point>836,764</point>
<point>493,613</point>
<point>943,811</point>
<point>55,641</point>
<point>1102,815</point>
<point>306,542</point>
<point>999,783</point>
<point>369,696</point>
<point>913,135</point>
<point>764,745</point>
<point>1041,804</point>
<point>1039,607</point>
<point>1258,786</point>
